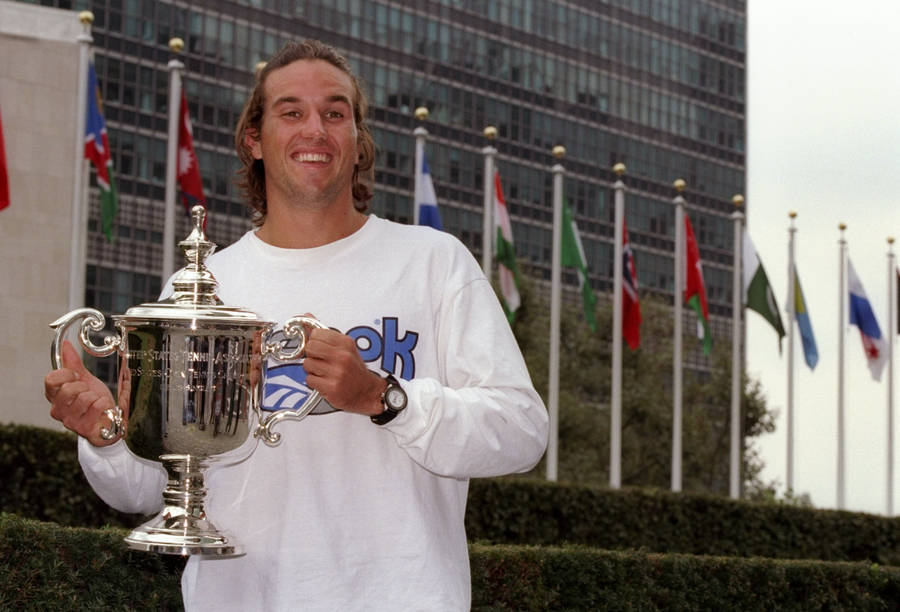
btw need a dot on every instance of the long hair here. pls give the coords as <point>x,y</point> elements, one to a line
<point>251,178</point>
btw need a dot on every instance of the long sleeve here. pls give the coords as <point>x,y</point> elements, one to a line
<point>121,479</point>
<point>486,419</point>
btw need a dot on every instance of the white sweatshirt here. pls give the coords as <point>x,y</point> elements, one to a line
<point>344,514</point>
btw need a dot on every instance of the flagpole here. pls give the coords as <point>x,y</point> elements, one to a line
<point>175,67</point>
<point>420,134</point>
<point>792,314</point>
<point>679,297</point>
<point>737,301</point>
<point>78,253</point>
<point>615,417</point>
<point>841,323</point>
<point>892,317</point>
<point>490,132</point>
<point>555,290</point>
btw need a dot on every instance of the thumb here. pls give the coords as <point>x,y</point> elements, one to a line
<point>72,361</point>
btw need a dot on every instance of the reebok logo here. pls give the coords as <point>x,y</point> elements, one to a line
<point>284,383</point>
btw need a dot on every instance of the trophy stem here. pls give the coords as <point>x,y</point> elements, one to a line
<point>181,528</point>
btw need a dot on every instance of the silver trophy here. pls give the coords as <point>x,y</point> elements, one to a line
<point>189,392</point>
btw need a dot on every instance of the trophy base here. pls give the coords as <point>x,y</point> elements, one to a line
<point>182,527</point>
<point>182,535</point>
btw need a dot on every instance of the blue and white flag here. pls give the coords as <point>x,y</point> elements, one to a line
<point>426,199</point>
<point>863,317</point>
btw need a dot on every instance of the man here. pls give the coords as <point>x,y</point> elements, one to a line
<point>361,506</point>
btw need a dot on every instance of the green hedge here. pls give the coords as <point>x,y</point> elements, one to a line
<point>44,566</point>
<point>577,578</point>
<point>42,480</point>
<point>515,511</point>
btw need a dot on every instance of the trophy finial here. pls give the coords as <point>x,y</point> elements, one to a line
<point>198,216</point>
<point>195,284</point>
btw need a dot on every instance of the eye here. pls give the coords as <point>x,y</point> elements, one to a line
<point>293,114</point>
<point>334,114</point>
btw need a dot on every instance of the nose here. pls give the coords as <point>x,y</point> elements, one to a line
<point>313,127</point>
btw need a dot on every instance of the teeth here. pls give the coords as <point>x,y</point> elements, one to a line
<point>311,157</point>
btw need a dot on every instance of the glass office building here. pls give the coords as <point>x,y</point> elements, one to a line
<point>656,84</point>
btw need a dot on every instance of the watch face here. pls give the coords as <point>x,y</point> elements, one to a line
<point>395,397</point>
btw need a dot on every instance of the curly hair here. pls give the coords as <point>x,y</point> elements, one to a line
<point>251,178</point>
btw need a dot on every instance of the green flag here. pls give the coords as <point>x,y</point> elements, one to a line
<point>573,256</point>
<point>758,294</point>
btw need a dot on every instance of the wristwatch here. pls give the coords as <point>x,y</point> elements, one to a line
<point>393,399</point>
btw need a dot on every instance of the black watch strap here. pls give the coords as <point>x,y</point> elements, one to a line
<point>390,411</point>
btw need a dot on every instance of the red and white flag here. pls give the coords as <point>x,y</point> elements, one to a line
<point>506,254</point>
<point>188,169</point>
<point>631,305</point>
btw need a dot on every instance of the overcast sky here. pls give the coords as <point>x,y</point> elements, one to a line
<point>824,141</point>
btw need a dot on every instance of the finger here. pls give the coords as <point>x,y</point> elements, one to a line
<point>323,384</point>
<point>326,334</point>
<point>84,414</point>
<point>315,366</point>
<point>72,360</point>
<point>66,397</point>
<point>54,380</point>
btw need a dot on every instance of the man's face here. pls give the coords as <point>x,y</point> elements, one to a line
<point>308,138</point>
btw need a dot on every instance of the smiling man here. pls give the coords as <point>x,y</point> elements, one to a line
<point>361,507</point>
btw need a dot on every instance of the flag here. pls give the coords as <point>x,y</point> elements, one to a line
<point>4,175</point>
<point>801,314</point>
<point>631,307</point>
<point>188,170</point>
<point>573,256</point>
<point>96,149</point>
<point>863,317</point>
<point>506,254</point>
<point>694,288</point>
<point>758,294</point>
<point>426,199</point>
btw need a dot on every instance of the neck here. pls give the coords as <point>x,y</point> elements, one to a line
<point>306,229</point>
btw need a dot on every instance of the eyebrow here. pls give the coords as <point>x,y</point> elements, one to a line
<point>295,100</point>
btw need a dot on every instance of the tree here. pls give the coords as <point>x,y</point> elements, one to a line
<point>585,383</point>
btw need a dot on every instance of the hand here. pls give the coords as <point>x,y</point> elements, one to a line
<point>78,399</point>
<point>335,369</point>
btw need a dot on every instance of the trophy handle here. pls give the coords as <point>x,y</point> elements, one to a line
<point>293,328</point>
<point>93,321</point>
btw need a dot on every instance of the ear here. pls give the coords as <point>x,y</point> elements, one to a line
<point>251,141</point>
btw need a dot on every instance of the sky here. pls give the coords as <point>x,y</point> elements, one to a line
<point>823,123</point>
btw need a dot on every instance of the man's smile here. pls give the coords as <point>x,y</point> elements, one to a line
<point>311,157</point>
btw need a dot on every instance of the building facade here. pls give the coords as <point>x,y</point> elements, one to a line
<point>656,84</point>
<point>38,77</point>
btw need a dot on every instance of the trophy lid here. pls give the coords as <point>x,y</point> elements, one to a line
<point>194,286</point>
